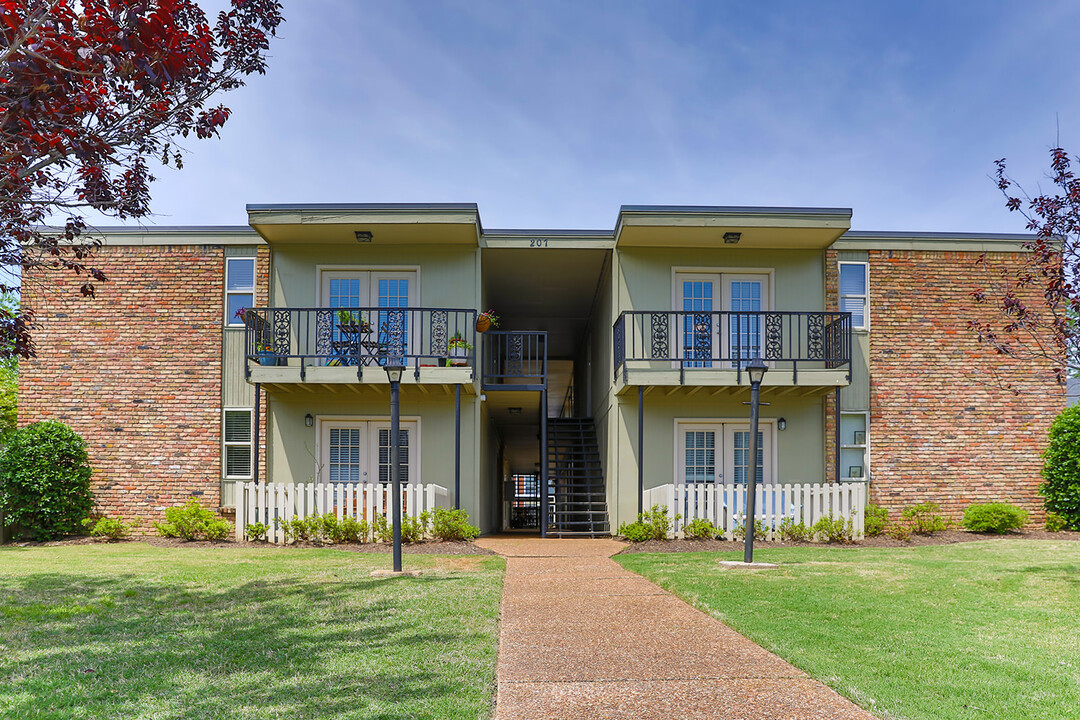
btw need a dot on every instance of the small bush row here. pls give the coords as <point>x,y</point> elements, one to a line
<point>440,524</point>
<point>192,521</point>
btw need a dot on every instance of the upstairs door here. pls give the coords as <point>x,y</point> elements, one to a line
<point>736,335</point>
<point>379,291</point>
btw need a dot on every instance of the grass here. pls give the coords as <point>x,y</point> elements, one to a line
<point>134,631</point>
<point>949,632</point>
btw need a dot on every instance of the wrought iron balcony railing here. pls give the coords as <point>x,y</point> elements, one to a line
<point>516,359</point>
<point>360,336</point>
<point>725,340</point>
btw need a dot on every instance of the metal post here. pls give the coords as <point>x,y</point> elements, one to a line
<point>395,468</point>
<point>641,449</point>
<point>837,432</point>
<point>543,465</point>
<point>749,524</point>
<point>255,448</point>
<point>457,446</point>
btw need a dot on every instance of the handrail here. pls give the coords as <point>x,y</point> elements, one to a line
<point>515,358</point>
<point>359,336</point>
<point>723,339</point>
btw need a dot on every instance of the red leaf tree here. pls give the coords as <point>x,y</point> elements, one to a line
<point>90,92</point>
<point>1038,300</point>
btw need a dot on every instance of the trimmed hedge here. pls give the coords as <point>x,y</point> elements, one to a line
<point>994,517</point>
<point>45,481</point>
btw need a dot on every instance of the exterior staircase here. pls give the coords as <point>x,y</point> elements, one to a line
<point>578,497</point>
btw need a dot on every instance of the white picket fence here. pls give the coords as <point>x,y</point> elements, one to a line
<point>725,505</point>
<point>263,502</point>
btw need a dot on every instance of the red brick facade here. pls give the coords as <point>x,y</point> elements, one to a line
<point>941,427</point>
<point>137,373</point>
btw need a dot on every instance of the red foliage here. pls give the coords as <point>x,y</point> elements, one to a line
<point>89,91</point>
<point>1039,300</point>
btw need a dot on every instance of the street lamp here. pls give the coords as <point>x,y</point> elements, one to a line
<point>756,369</point>
<point>394,368</point>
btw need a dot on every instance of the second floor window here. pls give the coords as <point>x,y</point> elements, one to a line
<point>239,287</point>
<point>853,295</point>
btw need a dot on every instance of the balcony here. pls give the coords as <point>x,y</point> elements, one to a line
<point>335,346</point>
<point>679,348</point>
<point>515,360</point>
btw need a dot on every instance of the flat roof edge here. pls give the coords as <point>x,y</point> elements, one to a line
<point>509,232</point>
<point>352,207</point>
<point>886,235</point>
<point>729,210</point>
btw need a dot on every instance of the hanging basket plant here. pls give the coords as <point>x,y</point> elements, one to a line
<point>486,320</point>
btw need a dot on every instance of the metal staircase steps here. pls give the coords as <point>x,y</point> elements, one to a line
<point>578,496</point>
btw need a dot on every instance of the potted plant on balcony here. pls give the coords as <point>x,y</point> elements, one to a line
<point>353,322</point>
<point>457,350</point>
<point>485,320</point>
<point>266,353</point>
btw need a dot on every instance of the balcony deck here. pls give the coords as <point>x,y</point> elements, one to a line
<point>342,347</point>
<point>807,352</point>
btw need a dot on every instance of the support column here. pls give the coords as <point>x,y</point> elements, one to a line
<point>255,449</point>
<point>457,447</point>
<point>543,465</point>
<point>641,449</point>
<point>836,430</point>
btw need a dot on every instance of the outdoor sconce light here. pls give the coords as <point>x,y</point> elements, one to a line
<point>309,421</point>
<point>364,236</point>
<point>732,237</point>
<point>514,410</point>
<point>781,424</point>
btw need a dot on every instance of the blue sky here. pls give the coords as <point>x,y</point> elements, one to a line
<point>552,114</point>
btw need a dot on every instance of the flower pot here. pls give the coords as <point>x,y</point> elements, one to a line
<point>267,357</point>
<point>482,323</point>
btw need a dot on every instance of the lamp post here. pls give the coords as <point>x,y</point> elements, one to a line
<point>394,368</point>
<point>756,370</point>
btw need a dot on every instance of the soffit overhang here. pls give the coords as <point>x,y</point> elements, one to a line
<point>395,224</point>
<point>705,227</point>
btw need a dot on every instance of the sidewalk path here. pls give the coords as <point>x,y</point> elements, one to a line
<point>583,638</point>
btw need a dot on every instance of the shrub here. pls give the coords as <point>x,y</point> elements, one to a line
<point>924,518</point>
<point>700,529</point>
<point>256,532</point>
<point>1054,522</point>
<point>833,530</point>
<point>45,481</point>
<point>899,531</point>
<point>412,529</point>
<point>652,525</point>
<point>875,520</point>
<point>994,517</point>
<point>351,530</point>
<point>191,521</point>
<point>109,528</point>
<point>760,532</point>
<point>1061,468</point>
<point>452,525</point>
<point>792,531</point>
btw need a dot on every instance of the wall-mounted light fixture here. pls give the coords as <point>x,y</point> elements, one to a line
<point>732,237</point>
<point>363,236</point>
<point>514,410</point>
<point>308,420</point>
<point>781,424</point>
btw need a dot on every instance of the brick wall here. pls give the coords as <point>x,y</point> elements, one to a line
<point>942,429</point>
<point>137,373</point>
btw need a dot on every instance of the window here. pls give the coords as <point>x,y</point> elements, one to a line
<point>706,335</point>
<point>237,436</point>
<point>239,288</point>
<point>380,291</point>
<point>356,451</point>
<point>853,293</point>
<point>854,459</point>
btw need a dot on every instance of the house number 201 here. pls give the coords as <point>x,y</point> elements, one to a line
<point>538,243</point>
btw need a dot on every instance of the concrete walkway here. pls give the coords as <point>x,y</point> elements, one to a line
<point>583,638</point>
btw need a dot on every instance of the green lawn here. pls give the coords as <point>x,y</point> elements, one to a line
<point>974,630</point>
<point>134,631</point>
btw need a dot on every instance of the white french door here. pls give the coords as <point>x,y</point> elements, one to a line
<point>382,291</point>
<point>719,452</point>
<point>704,336</point>
<point>359,451</point>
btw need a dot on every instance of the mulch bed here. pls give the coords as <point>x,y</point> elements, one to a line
<point>948,537</point>
<point>424,548</point>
